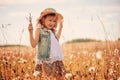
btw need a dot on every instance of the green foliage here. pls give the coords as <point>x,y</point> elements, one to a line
<point>81,40</point>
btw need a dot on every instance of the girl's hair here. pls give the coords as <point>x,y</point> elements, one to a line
<point>42,22</point>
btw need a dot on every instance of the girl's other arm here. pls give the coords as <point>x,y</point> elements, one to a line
<point>58,34</point>
<point>33,41</point>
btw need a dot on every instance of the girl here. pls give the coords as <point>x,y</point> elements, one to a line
<point>49,63</point>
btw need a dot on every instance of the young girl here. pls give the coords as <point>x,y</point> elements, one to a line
<point>49,63</point>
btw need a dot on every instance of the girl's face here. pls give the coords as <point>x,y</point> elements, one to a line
<point>50,22</point>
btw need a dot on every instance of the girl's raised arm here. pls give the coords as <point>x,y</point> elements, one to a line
<point>58,34</point>
<point>33,40</point>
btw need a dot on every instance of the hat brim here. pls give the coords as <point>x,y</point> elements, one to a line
<point>60,17</point>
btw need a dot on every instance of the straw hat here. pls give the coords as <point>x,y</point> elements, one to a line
<point>50,11</point>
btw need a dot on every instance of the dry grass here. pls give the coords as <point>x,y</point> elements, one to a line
<point>83,61</point>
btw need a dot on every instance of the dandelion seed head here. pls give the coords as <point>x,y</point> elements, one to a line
<point>36,73</point>
<point>116,51</point>
<point>29,67</point>
<point>98,54</point>
<point>14,62</point>
<point>27,75</point>
<point>83,63</point>
<point>114,71</point>
<point>117,65</point>
<point>111,71</point>
<point>67,75</point>
<point>91,69</point>
<point>70,62</point>
<point>71,56</point>
<point>17,78</point>
<point>112,63</point>
<point>14,57</point>
<point>85,52</point>
<point>22,60</point>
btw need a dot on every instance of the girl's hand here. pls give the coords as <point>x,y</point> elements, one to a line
<point>58,34</point>
<point>60,18</point>
<point>30,27</point>
<point>61,24</point>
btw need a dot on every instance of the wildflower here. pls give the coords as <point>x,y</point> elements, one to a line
<point>83,63</point>
<point>4,61</point>
<point>111,71</point>
<point>71,56</point>
<point>112,63</point>
<point>22,60</point>
<point>116,51</point>
<point>93,59</point>
<point>117,65</point>
<point>14,62</point>
<point>98,54</point>
<point>17,78</point>
<point>114,71</point>
<point>29,67</point>
<point>91,69</point>
<point>70,62</point>
<point>27,75</point>
<point>36,73</point>
<point>68,75</point>
<point>85,52</point>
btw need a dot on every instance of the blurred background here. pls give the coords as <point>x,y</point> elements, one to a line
<point>92,19</point>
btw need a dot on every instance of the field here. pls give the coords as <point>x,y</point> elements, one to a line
<point>83,61</point>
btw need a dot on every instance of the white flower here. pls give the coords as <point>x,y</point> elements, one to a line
<point>4,61</point>
<point>116,50</point>
<point>22,60</point>
<point>111,71</point>
<point>29,67</point>
<point>27,75</point>
<point>91,69</point>
<point>70,62</point>
<point>85,52</point>
<point>112,63</point>
<point>36,73</point>
<point>14,62</point>
<point>71,56</point>
<point>98,54</point>
<point>17,78</point>
<point>67,75</point>
<point>93,59</point>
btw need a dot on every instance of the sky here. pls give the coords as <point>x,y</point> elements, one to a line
<point>95,19</point>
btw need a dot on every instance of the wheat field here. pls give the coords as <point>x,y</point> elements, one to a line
<point>83,61</point>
